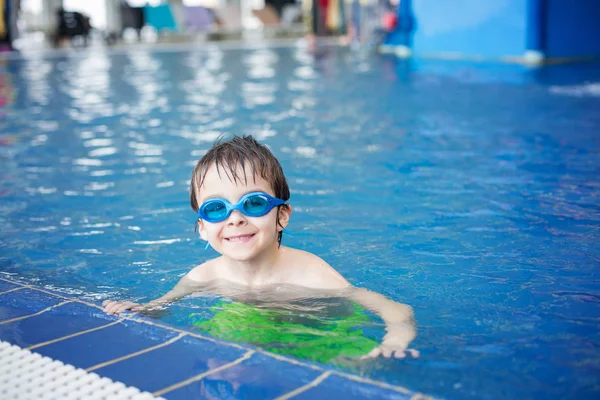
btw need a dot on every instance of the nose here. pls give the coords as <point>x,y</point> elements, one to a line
<point>236,218</point>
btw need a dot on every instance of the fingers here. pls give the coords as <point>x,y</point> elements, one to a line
<point>372,354</point>
<point>414,353</point>
<point>408,352</point>
<point>117,307</point>
<point>388,353</point>
<point>127,305</point>
<point>109,306</point>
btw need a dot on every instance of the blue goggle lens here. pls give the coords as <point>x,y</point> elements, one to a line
<point>256,205</point>
<point>215,210</point>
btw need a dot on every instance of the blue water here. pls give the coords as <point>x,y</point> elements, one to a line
<point>469,191</point>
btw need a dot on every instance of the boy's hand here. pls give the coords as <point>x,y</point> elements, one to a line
<point>117,307</point>
<point>388,352</point>
<point>395,344</point>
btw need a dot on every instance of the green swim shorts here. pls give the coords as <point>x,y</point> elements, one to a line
<point>283,332</point>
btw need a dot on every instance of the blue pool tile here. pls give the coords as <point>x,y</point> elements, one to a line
<point>259,377</point>
<point>107,344</point>
<point>339,387</point>
<point>55,323</point>
<point>171,364</point>
<point>4,286</point>
<point>24,302</point>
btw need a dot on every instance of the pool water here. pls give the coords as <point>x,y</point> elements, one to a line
<point>469,191</point>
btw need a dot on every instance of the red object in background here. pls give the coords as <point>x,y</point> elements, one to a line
<point>323,4</point>
<point>389,21</point>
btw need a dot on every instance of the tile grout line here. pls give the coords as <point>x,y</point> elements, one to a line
<point>192,334</point>
<point>34,314</point>
<point>314,383</point>
<point>356,378</point>
<point>382,385</point>
<point>198,377</point>
<point>12,290</point>
<point>420,396</point>
<point>290,360</point>
<point>35,346</point>
<point>13,282</point>
<point>24,286</point>
<point>137,353</point>
<point>64,297</point>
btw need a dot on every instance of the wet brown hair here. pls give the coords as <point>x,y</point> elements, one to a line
<point>240,152</point>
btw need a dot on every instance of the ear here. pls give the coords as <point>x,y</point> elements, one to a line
<point>202,230</point>
<point>284,217</point>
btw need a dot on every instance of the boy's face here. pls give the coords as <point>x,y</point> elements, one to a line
<point>240,237</point>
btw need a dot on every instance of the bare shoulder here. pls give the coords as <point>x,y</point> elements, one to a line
<point>204,272</point>
<point>312,271</point>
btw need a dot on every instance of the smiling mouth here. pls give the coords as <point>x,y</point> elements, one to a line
<point>239,239</point>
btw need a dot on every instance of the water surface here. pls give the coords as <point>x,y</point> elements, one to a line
<point>469,191</point>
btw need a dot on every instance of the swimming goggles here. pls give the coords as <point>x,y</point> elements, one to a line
<point>255,204</point>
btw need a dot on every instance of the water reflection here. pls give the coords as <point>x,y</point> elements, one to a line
<point>87,83</point>
<point>261,63</point>
<point>36,73</point>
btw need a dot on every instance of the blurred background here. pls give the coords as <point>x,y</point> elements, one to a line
<point>531,31</point>
<point>464,188</point>
<point>77,23</point>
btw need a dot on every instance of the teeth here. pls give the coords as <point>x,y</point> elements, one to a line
<point>239,238</point>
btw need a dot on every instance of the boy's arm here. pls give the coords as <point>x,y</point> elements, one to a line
<point>398,318</point>
<point>399,323</point>
<point>184,287</point>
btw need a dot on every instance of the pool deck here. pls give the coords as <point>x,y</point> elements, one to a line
<point>164,360</point>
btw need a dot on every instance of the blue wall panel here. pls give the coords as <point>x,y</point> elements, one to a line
<point>573,28</point>
<point>470,27</point>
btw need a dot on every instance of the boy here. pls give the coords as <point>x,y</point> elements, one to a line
<point>240,192</point>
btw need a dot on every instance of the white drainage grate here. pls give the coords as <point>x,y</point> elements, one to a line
<point>27,375</point>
